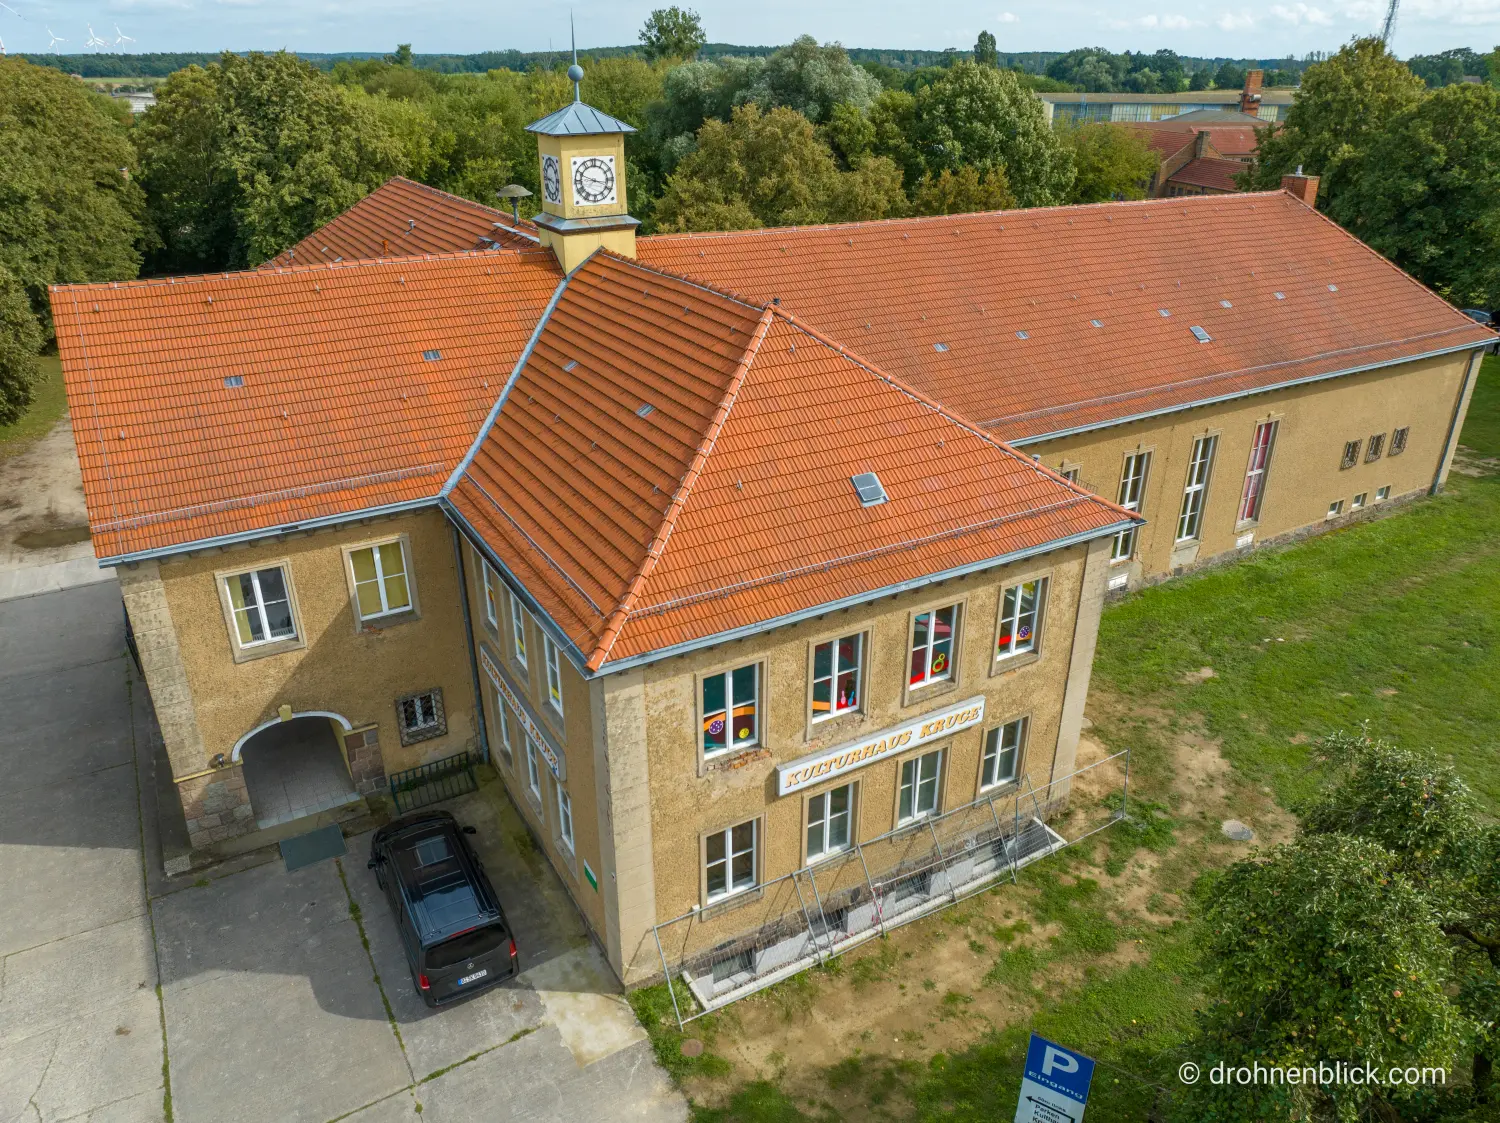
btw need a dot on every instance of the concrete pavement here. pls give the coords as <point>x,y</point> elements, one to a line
<point>282,996</point>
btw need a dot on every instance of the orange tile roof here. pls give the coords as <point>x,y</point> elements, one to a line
<point>728,502</point>
<point>1284,293</point>
<point>1210,173</point>
<point>1165,141</point>
<point>338,410</point>
<point>403,218</point>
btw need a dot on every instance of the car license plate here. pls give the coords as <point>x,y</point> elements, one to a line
<point>475,975</point>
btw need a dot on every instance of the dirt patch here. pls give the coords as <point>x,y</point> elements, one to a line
<point>1202,674</point>
<point>51,537</point>
<point>42,515</point>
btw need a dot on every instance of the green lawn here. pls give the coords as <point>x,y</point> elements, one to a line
<point>47,406</point>
<point>1482,426</point>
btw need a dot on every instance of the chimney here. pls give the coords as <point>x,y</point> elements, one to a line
<point>1304,187</point>
<point>1200,145</point>
<point>1250,95</point>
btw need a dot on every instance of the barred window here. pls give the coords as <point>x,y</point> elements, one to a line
<point>1374,447</point>
<point>420,716</point>
<point>1351,454</point>
<point>1398,441</point>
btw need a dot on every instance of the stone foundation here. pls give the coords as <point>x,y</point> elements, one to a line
<point>366,766</point>
<point>216,805</point>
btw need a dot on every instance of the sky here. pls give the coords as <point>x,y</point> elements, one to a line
<point>1261,28</point>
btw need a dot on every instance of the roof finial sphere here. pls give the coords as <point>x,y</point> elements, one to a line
<point>575,73</point>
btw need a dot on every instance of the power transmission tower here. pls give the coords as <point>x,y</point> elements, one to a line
<point>1390,24</point>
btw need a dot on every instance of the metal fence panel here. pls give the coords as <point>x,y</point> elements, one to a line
<point>433,782</point>
<point>733,948</point>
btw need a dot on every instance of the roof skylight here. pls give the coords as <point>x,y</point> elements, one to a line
<point>1200,335</point>
<point>868,487</point>
<point>940,347</point>
<point>1225,304</point>
<point>432,356</point>
<point>234,380</point>
<point>1022,335</point>
<point>570,364</point>
<point>646,410</point>
<point>1163,313</point>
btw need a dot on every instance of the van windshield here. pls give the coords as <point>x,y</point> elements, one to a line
<point>465,945</point>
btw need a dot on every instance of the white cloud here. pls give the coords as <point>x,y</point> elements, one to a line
<point>1235,21</point>
<point>1153,22</point>
<point>1468,13</point>
<point>1008,17</point>
<point>1299,14</point>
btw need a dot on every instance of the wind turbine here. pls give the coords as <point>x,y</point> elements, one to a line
<point>56,39</point>
<point>94,40</point>
<point>121,37</point>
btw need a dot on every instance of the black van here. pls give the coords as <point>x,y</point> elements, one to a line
<point>454,931</point>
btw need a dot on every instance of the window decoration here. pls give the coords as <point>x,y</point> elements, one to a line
<point>731,716</point>
<point>1351,454</point>
<point>1374,447</point>
<point>1254,493</point>
<point>262,606</point>
<point>518,630</point>
<point>932,639</point>
<point>552,656</point>
<point>380,585</point>
<point>1190,518</point>
<point>729,861</point>
<point>1019,609</point>
<point>1398,441</point>
<point>420,717</point>
<point>835,683</point>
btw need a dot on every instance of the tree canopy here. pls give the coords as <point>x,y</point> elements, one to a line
<point>70,206</point>
<point>1111,163</point>
<point>20,341</point>
<point>672,33</point>
<point>985,52</point>
<point>246,157</point>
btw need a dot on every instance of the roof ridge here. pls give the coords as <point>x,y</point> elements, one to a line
<point>1164,203</point>
<point>943,411</point>
<point>654,551</point>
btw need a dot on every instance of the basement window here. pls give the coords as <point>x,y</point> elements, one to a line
<point>421,716</point>
<point>868,487</point>
<point>1200,335</point>
<point>1335,509</point>
<point>432,356</point>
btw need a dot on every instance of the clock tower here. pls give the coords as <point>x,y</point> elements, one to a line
<point>582,154</point>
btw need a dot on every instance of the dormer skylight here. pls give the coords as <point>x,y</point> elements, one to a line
<point>868,487</point>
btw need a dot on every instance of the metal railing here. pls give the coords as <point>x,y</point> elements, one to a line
<point>433,782</point>
<point>761,936</point>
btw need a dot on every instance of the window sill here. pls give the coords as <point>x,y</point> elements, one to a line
<point>369,624</point>
<point>1014,662</point>
<point>732,759</point>
<point>266,650</point>
<point>839,723</point>
<point>917,695</point>
<point>722,905</point>
<point>1246,524</point>
<point>417,736</point>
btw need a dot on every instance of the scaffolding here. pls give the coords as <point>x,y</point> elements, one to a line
<point>761,936</point>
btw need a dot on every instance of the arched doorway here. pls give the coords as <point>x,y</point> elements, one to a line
<point>295,768</point>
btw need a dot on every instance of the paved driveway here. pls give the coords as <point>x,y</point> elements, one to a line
<point>283,996</point>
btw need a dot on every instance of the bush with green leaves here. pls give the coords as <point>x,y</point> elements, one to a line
<point>20,340</point>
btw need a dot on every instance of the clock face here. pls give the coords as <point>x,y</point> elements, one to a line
<point>593,180</point>
<point>551,180</point>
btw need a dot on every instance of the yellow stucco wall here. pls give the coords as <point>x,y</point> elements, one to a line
<point>1305,475</point>
<point>690,796</point>
<point>337,666</point>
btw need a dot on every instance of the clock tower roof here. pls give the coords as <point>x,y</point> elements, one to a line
<point>578,119</point>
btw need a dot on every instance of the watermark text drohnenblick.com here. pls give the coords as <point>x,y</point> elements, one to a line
<point>1323,1073</point>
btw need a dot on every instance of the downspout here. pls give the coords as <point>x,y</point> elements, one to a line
<point>463,595</point>
<point>1475,360</point>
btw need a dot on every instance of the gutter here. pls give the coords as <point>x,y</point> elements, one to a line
<point>1458,406</point>
<point>1199,402</point>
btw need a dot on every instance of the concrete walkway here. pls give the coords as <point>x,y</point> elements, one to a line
<point>256,996</point>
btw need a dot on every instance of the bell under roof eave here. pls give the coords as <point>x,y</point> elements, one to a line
<point>578,119</point>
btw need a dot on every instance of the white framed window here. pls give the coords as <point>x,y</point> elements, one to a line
<point>491,595</point>
<point>731,710</point>
<point>1335,509</point>
<point>552,656</point>
<point>506,745</point>
<point>1195,491</point>
<point>1252,497</point>
<point>1358,501</point>
<point>380,583</point>
<point>533,769</point>
<point>835,677</point>
<point>919,786</point>
<point>1398,441</point>
<point>420,716</point>
<point>518,629</point>
<point>1002,753</point>
<point>1132,492</point>
<point>1383,492</point>
<point>829,815</point>
<point>932,638</point>
<point>1019,611</point>
<point>262,606</point>
<point>729,861</point>
<point>1069,474</point>
<point>565,818</point>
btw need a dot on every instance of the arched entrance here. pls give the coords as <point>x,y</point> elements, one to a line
<point>295,768</point>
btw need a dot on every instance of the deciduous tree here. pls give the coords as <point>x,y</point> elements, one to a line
<point>672,33</point>
<point>1112,163</point>
<point>962,192</point>
<point>985,52</point>
<point>20,340</point>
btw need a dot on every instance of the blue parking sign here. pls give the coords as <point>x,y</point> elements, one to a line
<point>1055,1085</point>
